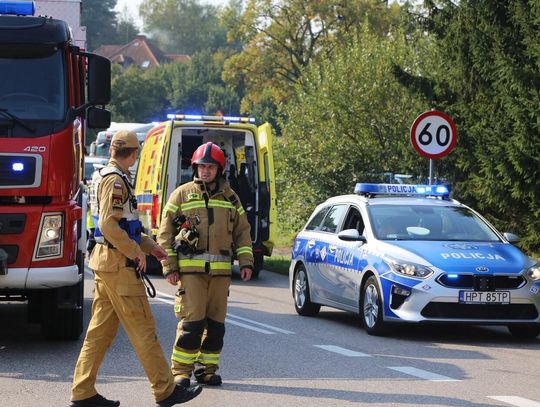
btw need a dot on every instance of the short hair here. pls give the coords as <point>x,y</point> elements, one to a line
<point>123,152</point>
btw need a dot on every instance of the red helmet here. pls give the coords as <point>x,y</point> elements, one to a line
<point>208,153</point>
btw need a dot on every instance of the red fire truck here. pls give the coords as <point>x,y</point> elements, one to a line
<point>50,91</point>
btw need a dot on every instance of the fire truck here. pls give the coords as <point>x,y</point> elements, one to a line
<point>51,91</point>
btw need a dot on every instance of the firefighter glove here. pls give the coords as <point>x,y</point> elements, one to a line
<point>186,240</point>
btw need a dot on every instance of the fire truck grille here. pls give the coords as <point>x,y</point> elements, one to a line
<point>12,223</point>
<point>12,252</point>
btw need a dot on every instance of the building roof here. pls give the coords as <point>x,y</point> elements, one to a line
<point>141,52</point>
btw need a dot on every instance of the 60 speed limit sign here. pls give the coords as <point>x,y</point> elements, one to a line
<point>433,134</point>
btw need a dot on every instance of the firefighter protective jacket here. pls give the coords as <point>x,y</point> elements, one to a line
<point>222,225</point>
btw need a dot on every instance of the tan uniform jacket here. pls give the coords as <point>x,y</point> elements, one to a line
<point>112,194</point>
<point>222,222</point>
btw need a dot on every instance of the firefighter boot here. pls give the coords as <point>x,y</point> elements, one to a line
<point>211,379</point>
<point>95,401</point>
<point>183,380</point>
<point>180,395</point>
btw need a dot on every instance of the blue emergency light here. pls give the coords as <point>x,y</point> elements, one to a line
<point>196,117</point>
<point>17,167</point>
<point>401,189</point>
<point>18,8</point>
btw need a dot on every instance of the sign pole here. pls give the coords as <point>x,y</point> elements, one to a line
<point>431,168</point>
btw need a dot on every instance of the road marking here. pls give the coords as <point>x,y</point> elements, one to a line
<point>234,322</point>
<point>253,328</point>
<point>273,328</point>
<point>423,374</point>
<point>516,401</point>
<point>342,351</point>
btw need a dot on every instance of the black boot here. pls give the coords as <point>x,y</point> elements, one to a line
<point>184,382</point>
<point>180,395</point>
<point>211,379</point>
<point>95,401</point>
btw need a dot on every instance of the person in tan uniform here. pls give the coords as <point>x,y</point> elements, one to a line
<point>120,298</point>
<point>213,224</point>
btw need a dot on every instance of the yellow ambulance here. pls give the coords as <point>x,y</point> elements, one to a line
<point>165,163</point>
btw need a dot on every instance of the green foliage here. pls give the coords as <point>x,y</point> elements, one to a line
<point>491,86</point>
<point>183,26</point>
<point>137,96</point>
<point>102,25</point>
<point>283,38</point>
<point>99,18</point>
<point>277,264</point>
<point>194,87</point>
<point>349,119</point>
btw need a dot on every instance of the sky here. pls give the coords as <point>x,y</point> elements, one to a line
<point>133,6</point>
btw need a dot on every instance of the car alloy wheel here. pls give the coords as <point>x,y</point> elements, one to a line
<point>371,308</point>
<point>302,301</point>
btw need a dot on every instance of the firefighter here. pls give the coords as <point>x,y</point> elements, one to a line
<point>117,261</point>
<point>202,223</point>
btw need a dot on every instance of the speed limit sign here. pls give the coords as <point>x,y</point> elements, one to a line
<point>433,134</point>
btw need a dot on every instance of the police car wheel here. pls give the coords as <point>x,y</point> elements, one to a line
<point>302,301</point>
<point>371,308</point>
<point>526,331</point>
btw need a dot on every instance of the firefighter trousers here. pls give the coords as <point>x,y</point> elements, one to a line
<point>120,298</point>
<point>201,306</point>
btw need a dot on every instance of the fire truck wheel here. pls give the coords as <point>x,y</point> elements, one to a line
<point>63,313</point>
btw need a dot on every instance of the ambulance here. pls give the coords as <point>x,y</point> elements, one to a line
<point>165,164</point>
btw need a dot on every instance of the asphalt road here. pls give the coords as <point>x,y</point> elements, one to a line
<point>273,357</point>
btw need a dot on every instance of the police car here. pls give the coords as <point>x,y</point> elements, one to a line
<point>410,253</point>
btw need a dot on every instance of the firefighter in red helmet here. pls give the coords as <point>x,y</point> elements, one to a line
<point>202,223</point>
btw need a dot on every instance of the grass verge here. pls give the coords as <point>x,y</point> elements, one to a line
<point>277,264</point>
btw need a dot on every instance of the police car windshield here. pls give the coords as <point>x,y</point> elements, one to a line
<point>424,222</point>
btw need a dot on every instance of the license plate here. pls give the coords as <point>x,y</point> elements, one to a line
<point>484,297</point>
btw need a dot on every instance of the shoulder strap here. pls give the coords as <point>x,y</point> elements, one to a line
<point>106,171</point>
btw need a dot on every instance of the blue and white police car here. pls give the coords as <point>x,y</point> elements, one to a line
<point>409,253</point>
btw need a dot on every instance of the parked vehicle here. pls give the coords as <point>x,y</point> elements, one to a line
<point>165,163</point>
<point>398,253</point>
<point>43,118</point>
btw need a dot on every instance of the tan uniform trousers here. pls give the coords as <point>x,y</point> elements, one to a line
<point>120,297</point>
<point>204,297</point>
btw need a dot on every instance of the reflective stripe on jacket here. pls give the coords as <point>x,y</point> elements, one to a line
<point>221,222</point>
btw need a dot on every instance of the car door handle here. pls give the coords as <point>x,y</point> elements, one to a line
<point>332,248</point>
<point>311,243</point>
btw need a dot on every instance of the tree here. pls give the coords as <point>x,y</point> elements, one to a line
<point>348,119</point>
<point>183,26</point>
<point>490,84</point>
<point>282,38</point>
<point>137,96</point>
<point>196,87</point>
<point>103,26</point>
<point>126,27</point>
<point>99,18</point>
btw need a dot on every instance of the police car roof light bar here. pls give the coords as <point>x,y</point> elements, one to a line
<point>195,117</point>
<point>402,189</point>
<point>18,8</point>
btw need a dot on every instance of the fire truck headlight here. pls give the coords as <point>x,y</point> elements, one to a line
<point>50,243</point>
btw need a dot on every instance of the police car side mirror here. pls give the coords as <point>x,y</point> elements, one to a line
<point>512,238</point>
<point>351,235</point>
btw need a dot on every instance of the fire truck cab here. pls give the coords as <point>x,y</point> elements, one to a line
<point>48,96</point>
<point>165,164</point>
